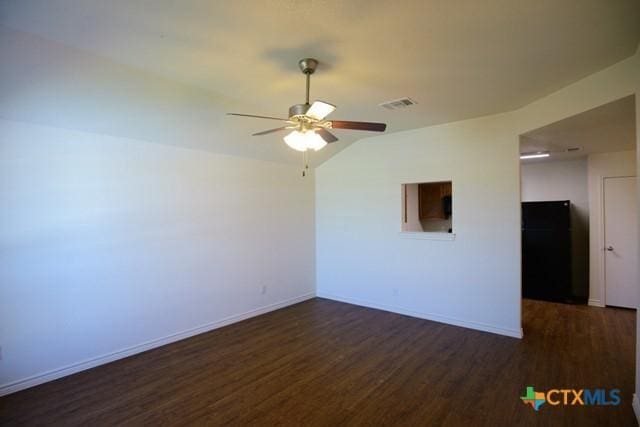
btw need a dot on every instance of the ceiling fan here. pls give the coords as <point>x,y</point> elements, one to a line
<point>307,121</point>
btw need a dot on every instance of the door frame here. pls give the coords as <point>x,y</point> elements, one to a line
<point>601,237</point>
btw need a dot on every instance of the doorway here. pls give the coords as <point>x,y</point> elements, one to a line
<point>572,163</point>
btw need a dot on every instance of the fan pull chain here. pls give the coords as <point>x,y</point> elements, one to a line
<point>305,164</point>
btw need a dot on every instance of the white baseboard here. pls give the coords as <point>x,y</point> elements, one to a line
<point>636,407</point>
<point>595,302</point>
<point>515,333</point>
<point>139,348</point>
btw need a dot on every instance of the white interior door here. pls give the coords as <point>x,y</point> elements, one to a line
<point>621,241</point>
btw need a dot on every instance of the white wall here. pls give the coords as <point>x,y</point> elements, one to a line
<point>110,244</point>
<point>361,258</point>
<point>564,180</point>
<point>622,163</point>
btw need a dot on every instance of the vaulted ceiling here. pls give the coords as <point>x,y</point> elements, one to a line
<point>457,59</point>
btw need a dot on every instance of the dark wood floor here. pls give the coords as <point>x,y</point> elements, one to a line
<point>327,363</point>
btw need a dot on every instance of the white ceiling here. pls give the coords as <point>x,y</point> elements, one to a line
<point>457,59</point>
<point>607,128</point>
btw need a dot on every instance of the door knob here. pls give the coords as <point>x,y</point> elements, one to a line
<point>610,248</point>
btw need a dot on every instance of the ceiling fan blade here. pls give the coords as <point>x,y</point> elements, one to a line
<point>257,117</point>
<point>370,126</point>
<point>326,135</point>
<point>264,132</point>
<point>319,110</point>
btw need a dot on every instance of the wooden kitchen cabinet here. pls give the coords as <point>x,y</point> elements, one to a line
<point>432,200</point>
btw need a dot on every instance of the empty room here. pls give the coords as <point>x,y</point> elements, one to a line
<point>319,212</point>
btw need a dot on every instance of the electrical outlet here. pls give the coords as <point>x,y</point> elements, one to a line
<point>396,292</point>
<point>264,289</point>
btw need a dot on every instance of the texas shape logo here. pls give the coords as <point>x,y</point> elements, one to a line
<point>533,398</point>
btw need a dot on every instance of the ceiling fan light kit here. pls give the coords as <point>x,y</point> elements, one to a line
<point>304,141</point>
<point>309,129</point>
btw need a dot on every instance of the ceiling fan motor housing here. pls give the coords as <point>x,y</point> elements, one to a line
<point>298,110</point>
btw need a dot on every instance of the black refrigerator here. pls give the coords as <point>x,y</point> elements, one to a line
<point>546,250</point>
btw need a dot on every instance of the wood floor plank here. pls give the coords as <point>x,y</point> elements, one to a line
<point>327,363</point>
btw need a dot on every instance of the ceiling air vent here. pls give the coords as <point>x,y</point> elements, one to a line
<point>398,104</point>
<point>573,149</point>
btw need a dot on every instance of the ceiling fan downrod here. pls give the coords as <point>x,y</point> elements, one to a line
<point>308,66</point>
